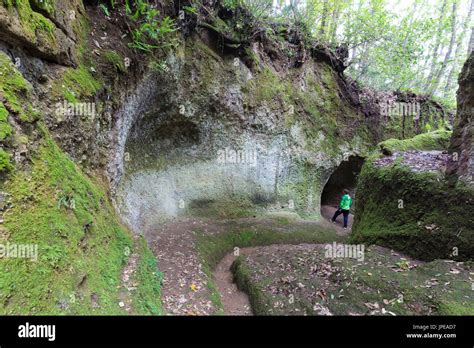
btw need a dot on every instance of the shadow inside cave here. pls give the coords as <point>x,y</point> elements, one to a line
<point>344,177</point>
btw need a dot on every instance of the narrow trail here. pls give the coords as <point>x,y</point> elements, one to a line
<point>235,302</point>
<point>184,288</point>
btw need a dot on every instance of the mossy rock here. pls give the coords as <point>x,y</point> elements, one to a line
<point>5,162</point>
<point>81,243</point>
<point>417,213</point>
<point>76,84</point>
<point>46,28</point>
<point>437,140</point>
<point>16,91</point>
<point>5,128</point>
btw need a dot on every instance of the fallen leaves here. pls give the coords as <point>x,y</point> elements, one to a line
<point>322,294</point>
<point>431,282</point>
<point>431,227</point>
<point>321,310</point>
<point>374,305</point>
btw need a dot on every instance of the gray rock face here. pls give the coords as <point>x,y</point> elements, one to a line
<point>461,163</point>
<point>201,133</point>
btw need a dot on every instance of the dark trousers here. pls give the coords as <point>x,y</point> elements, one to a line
<point>339,212</point>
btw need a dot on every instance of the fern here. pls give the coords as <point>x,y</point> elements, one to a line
<point>105,9</point>
<point>151,32</point>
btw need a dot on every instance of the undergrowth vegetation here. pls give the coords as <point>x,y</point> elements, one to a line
<point>149,30</point>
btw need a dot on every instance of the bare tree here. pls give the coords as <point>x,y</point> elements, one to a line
<point>322,29</point>
<point>471,42</point>
<point>457,53</point>
<point>434,55</point>
<point>443,66</point>
<point>335,19</point>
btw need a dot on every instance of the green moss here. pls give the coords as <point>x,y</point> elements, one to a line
<point>252,56</point>
<point>115,59</point>
<point>213,248</point>
<point>232,208</point>
<point>81,244</point>
<point>417,213</point>
<point>76,84</point>
<point>149,279</point>
<point>206,49</point>
<point>33,23</point>
<point>5,164</point>
<point>3,113</point>
<point>5,128</point>
<point>305,190</point>
<point>437,140</point>
<point>267,86</point>
<point>20,140</point>
<point>7,3</point>
<point>43,5</point>
<point>259,300</point>
<point>16,91</point>
<point>318,107</point>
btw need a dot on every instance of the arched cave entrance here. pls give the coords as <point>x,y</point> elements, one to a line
<point>344,177</point>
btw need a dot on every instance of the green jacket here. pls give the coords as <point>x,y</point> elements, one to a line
<point>346,202</point>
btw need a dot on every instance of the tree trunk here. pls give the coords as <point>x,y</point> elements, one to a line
<point>434,56</point>
<point>322,29</point>
<point>471,43</point>
<point>335,19</point>
<point>442,69</point>
<point>457,53</point>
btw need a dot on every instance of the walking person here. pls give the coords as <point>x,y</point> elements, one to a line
<point>344,207</point>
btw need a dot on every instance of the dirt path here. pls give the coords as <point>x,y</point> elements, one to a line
<point>235,302</point>
<point>185,289</point>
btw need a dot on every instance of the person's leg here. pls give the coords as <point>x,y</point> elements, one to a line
<point>346,217</point>
<point>336,214</point>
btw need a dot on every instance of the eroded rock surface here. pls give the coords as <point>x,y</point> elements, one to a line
<point>461,164</point>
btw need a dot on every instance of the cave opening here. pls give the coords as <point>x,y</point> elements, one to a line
<point>344,177</point>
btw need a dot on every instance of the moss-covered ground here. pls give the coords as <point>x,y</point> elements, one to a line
<point>16,92</point>
<point>297,280</point>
